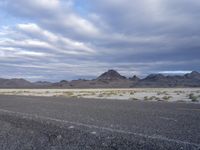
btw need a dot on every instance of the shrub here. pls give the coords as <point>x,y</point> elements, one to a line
<point>157,98</point>
<point>151,98</point>
<point>134,99</point>
<point>166,97</point>
<point>162,93</point>
<point>193,97</point>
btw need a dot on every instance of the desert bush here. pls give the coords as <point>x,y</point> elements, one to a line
<point>166,97</point>
<point>151,98</point>
<point>193,97</point>
<point>157,98</point>
<point>133,98</point>
<point>69,94</point>
<point>146,98</point>
<point>178,92</point>
<point>162,93</point>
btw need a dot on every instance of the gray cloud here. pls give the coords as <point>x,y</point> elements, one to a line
<point>66,39</point>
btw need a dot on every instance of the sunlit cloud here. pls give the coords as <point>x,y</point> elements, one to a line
<point>174,72</point>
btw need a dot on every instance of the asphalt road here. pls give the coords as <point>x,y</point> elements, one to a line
<point>67,123</point>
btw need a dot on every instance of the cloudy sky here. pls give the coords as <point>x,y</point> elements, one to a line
<point>71,39</point>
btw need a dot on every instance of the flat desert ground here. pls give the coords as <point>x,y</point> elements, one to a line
<point>144,94</point>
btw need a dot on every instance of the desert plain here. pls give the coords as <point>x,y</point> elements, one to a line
<point>143,94</point>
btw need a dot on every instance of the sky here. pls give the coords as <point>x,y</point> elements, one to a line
<point>53,40</point>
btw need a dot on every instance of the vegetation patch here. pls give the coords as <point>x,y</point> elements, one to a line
<point>162,93</point>
<point>166,97</point>
<point>193,97</point>
<point>151,98</point>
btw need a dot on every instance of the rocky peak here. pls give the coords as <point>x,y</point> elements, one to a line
<point>111,75</point>
<point>63,81</point>
<point>134,78</point>
<point>193,74</point>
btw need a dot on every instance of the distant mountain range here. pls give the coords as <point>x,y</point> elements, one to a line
<point>111,79</point>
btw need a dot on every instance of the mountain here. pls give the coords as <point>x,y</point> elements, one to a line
<point>134,78</point>
<point>155,77</point>
<point>42,83</point>
<point>14,83</point>
<point>111,75</point>
<point>153,80</point>
<point>111,79</point>
<point>158,80</point>
<point>193,75</point>
<point>61,84</point>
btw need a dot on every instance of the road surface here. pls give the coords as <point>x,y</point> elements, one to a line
<point>67,123</point>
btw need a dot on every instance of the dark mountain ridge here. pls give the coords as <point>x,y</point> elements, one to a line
<point>111,75</point>
<point>111,79</point>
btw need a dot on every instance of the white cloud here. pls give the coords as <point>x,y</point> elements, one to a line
<point>29,53</point>
<point>27,43</point>
<point>54,14</point>
<point>61,43</point>
<point>174,72</point>
<point>34,29</point>
<point>9,52</point>
<point>34,38</point>
<point>80,25</point>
